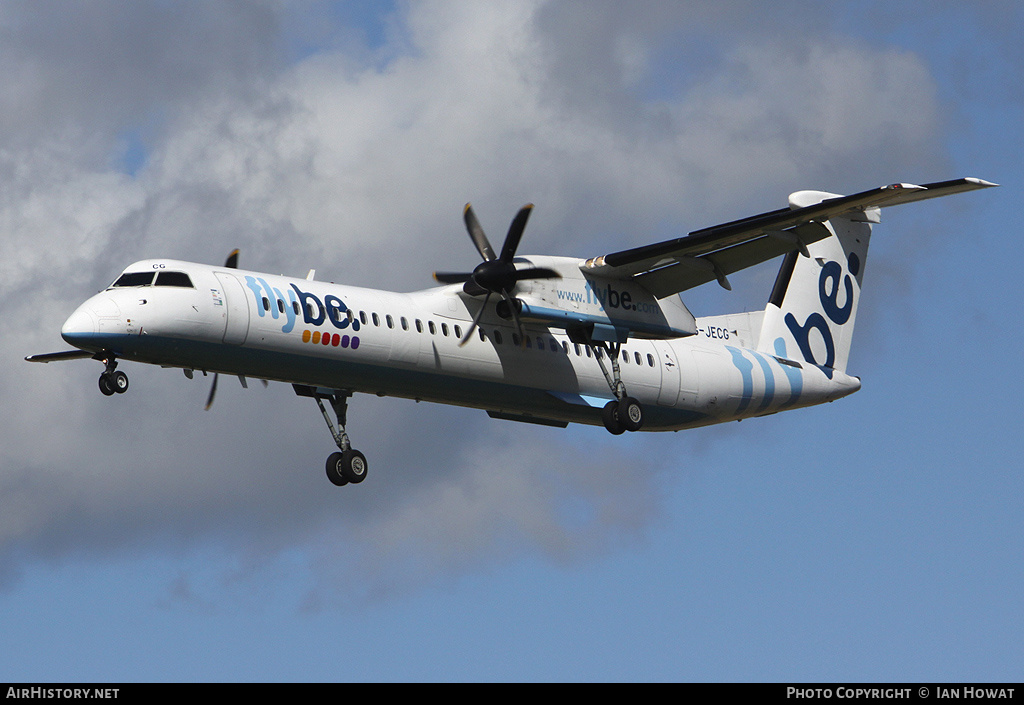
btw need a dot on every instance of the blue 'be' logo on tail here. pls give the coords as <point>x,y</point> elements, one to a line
<point>828,294</point>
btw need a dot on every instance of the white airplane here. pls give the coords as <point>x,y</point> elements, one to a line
<point>540,339</point>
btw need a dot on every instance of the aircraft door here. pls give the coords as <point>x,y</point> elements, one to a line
<point>678,375</point>
<point>235,309</point>
<point>669,390</point>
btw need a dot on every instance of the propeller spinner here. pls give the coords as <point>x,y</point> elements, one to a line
<point>496,274</point>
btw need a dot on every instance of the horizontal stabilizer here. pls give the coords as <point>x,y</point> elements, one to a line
<point>709,254</point>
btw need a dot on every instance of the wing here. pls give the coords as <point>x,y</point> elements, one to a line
<point>673,266</point>
<point>58,356</point>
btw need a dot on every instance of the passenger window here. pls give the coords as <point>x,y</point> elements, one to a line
<point>376,320</point>
<point>419,326</point>
<point>433,330</point>
<point>362,317</point>
<point>295,307</point>
<point>405,323</point>
<point>650,360</point>
<point>390,321</point>
<point>458,332</point>
<point>444,329</point>
<point>178,279</point>
<point>636,357</point>
<point>497,337</point>
<point>280,305</point>
<point>266,304</point>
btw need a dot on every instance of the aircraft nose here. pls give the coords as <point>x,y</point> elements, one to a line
<point>80,326</point>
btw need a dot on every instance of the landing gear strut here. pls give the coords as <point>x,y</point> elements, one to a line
<point>112,381</point>
<point>623,413</point>
<point>348,465</point>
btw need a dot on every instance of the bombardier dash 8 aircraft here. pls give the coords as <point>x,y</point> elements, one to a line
<point>539,339</point>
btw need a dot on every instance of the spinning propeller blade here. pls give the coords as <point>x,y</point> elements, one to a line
<point>213,392</point>
<point>495,275</point>
<point>231,263</point>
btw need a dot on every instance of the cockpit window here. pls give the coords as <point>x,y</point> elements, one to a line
<point>134,279</point>
<point>179,279</point>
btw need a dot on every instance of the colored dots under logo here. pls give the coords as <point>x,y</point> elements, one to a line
<point>334,340</point>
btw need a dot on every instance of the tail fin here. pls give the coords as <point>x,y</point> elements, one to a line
<point>813,305</point>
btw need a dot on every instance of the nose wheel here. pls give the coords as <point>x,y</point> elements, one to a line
<point>113,381</point>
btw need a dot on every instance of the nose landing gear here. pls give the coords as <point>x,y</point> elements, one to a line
<point>113,381</point>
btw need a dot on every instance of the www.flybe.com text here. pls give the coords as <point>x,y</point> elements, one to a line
<point>607,297</point>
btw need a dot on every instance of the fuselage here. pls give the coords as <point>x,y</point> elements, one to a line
<point>333,336</point>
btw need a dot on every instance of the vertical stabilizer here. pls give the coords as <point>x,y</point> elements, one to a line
<point>813,306</point>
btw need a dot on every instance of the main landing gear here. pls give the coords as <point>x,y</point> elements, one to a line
<point>348,465</point>
<point>623,413</point>
<point>112,381</point>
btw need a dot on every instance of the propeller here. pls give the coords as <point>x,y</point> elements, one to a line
<point>213,392</point>
<point>497,274</point>
<point>230,263</point>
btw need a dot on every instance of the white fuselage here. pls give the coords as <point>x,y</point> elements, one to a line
<point>407,345</point>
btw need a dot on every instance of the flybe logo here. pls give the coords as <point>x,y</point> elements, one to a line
<point>607,297</point>
<point>828,294</point>
<point>295,304</point>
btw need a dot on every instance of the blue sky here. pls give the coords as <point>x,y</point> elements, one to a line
<point>878,538</point>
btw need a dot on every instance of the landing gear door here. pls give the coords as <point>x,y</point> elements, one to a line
<point>233,307</point>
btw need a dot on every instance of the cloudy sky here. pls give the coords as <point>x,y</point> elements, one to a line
<point>141,538</point>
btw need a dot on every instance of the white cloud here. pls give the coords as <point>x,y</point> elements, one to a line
<point>360,168</point>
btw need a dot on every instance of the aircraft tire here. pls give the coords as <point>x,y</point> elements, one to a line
<point>334,465</point>
<point>631,414</point>
<point>610,417</point>
<point>353,466</point>
<point>119,382</point>
<point>106,385</point>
